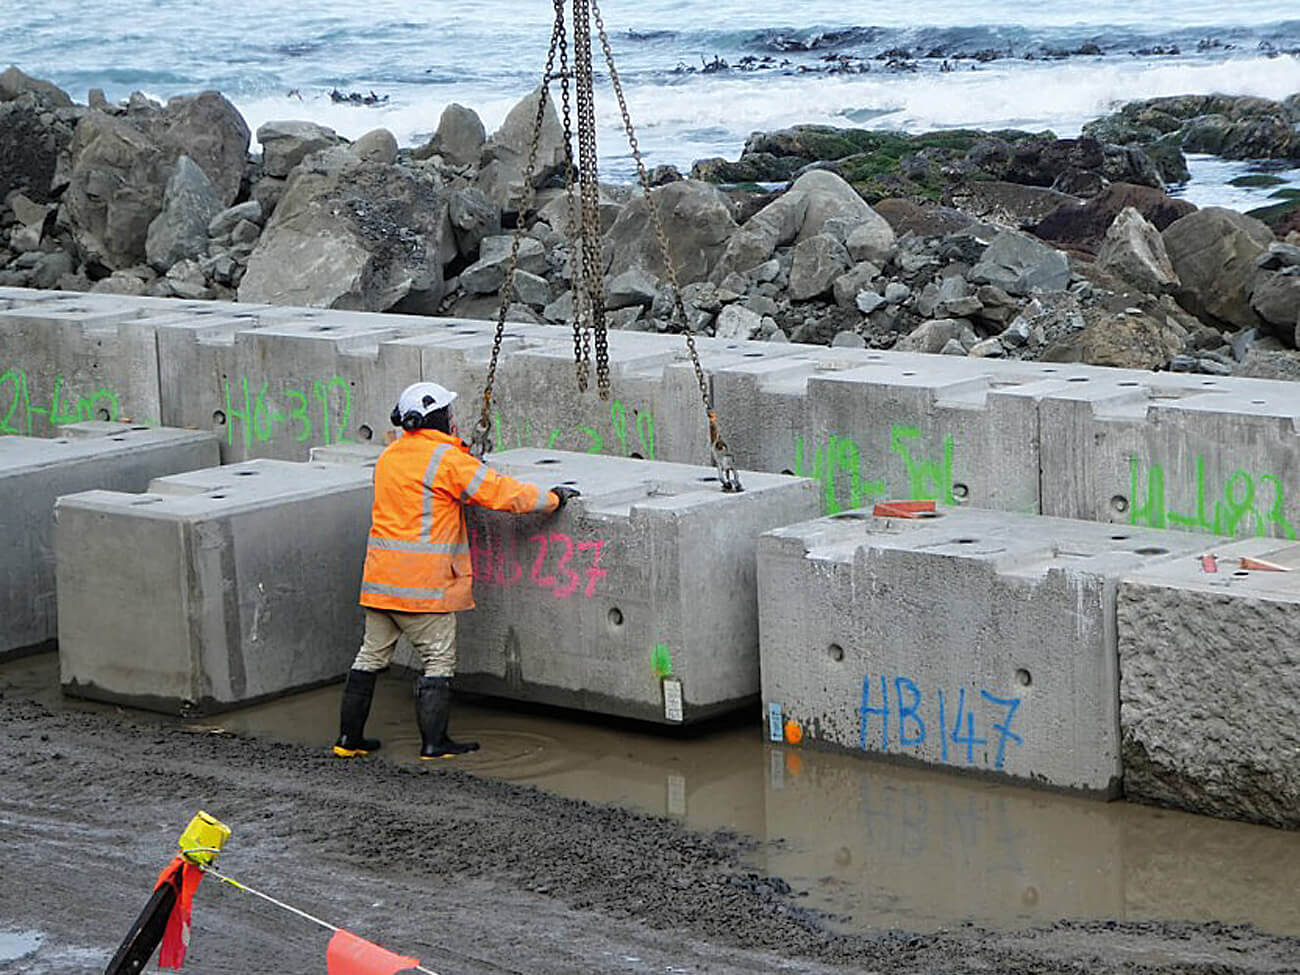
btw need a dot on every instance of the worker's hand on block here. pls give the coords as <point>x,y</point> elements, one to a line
<point>564,494</point>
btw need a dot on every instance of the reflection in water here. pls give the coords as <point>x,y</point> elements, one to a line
<point>874,843</point>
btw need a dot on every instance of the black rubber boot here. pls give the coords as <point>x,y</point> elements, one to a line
<point>353,711</point>
<point>432,710</point>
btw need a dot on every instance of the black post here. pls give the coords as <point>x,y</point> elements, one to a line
<point>145,935</point>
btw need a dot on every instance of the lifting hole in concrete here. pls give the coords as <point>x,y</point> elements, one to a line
<point>1030,897</point>
<point>1128,382</point>
<point>1208,382</point>
<point>849,516</point>
<point>118,439</point>
<point>836,652</point>
<point>929,514</point>
<point>467,331</point>
<point>874,358</point>
<point>1077,379</point>
<point>364,432</point>
<point>1050,370</point>
<point>635,456</point>
<point>62,441</point>
<point>216,497</point>
<point>615,617</point>
<point>1119,503</point>
<point>139,428</point>
<point>787,472</point>
<point>146,501</point>
<point>909,374</point>
<point>1152,550</point>
<point>1241,572</point>
<point>103,415</point>
<point>709,479</point>
<point>245,473</point>
<point>1258,402</point>
<point>568,483</point>
<point>1023,677</point>
<point>324,328</point>
<point>960,491</point>
<point>966,541</point>
<point>219,418</point>
<point>1118,538</point>
<point>549,460</point>
<point>753,355</point>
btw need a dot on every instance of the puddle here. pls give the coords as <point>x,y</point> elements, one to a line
<point>873,843</point>
<point>18,944</point>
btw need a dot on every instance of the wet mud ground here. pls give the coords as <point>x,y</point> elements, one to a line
<point>475,875</point>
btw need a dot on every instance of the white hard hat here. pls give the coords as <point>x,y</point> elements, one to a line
<point>423,399</point>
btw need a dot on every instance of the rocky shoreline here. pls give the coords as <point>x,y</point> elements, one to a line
<point>997,244</point>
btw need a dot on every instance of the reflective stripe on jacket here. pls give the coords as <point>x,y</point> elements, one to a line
<point>417,559</point>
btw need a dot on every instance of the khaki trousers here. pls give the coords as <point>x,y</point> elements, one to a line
<point>432,634</point>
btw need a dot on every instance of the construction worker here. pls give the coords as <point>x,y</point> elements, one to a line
<point>418,572</point>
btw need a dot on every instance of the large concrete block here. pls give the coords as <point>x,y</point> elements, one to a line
<point>35,471</point>
<point>1210,684</point>
<point>975,640</point>
<point>637,599</point>
<point>1195,453</point>
<point>241,584</point>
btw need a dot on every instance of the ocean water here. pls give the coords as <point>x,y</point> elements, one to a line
<point>279,59</point>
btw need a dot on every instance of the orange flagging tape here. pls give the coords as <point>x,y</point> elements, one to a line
<point>185,877</point>
<point>350,955</point>
<point>1262,565</point>
<point>902,509</point>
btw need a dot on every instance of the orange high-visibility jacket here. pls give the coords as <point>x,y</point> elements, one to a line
<point>417,558</point>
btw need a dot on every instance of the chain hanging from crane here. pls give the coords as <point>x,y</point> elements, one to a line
<point>586,262</point>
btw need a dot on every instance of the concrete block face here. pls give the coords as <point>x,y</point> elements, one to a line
<point>1210,684</point>
<point>981,641</point>
<point>642,588</point>
<point>1192,453</point>
<point>242,585</point>
<point>34,472</point>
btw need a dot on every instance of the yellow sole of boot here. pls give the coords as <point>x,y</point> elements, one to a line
<point>341,752</point>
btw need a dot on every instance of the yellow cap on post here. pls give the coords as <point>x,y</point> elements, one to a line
<point>203,838</point>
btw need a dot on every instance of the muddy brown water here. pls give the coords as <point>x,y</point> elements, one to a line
<point>877,844</point>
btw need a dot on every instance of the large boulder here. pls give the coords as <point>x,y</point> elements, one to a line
<point>505,154</point>
<point>32,138</point>
<point>1135,251</point>
<point>1214,253</point>
<point>696,219</point>
<point>473,217</point>
<point>1007,204</point>
<point>459,138</point>
<point>1125,341</point>
<point>1019,265</point>
<point>361,236</point>
<point>1276,299</point>
<point>118,167</point>
<point>180,231</point>
<point>14,84</point>
<point>487,274</point>
<point>1083,226</point>
<point>286,144</point>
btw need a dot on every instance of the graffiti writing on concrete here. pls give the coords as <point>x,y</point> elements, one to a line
<point>905,721</point>
<point>551,561</point>
<point>24,412</point>
<point>1244,503</point>
<point>320,412</point>
<point>628,433</point>
<point>844,474</point>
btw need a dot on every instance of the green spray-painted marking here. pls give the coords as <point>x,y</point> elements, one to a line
<point>661,661</point>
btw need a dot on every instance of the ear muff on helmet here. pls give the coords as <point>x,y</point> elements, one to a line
<point>411,420</point>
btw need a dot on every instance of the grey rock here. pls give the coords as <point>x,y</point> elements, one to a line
<point>953,347</point>
<point>818,261</point>
<point>286,144</point>
<point>624,318</point>
<point>29,212</point>
<point>872,240</point>
<point>1214,253</point>
<point>1278,256</point>
<point>896,292</point>
<point>868,301</point>
<point>779,336</point>
<point>459,138</point>
<point>15,278</point>
<point>991,348</point>
<point>33,139</point>
<point>634,286</point>
<point>487,274</point>
<point>697,220</point>
<point>1182,363</point>
<point>931,337</point>
<point>473,217</point>
<point>991,296</point>
<point>532,289</point>
<point>609,204</point>
<point>180,231</point>
<point>737,322</point>
<point>961,307</point>
<point>29,260</point>
<point>47,271</point>
<point>377,145</point>
<point>767,271</point>
<point>1016,334</point>
<point>561,309</point>
<point>267,193</point>
<point>857,279</point>
<point>927,302</point>
<point>1019,265</point>
<point>505,155</point>
<point>848,340</point>
<point>1134,250</point>
<point>735,282</point>
<point>762,305</point>
<point>97,101</point>
<point>225,221</point>
<point>952,287</point>
<point>1212,367</point>
<point>1276,298</point>
<point>13,84</point>
<point>245,232</point>
<point>119,283</point>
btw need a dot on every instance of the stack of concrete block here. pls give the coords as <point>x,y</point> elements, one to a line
<point>34,472</point>
<point>1210,682</point>
<point>974,640</point>
<point>216,588</point>
<point>1194,453</point>
<point>638,599</point>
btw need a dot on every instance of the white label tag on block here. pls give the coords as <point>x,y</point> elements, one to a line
<point>672,699</point>
<point>774,730</point>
